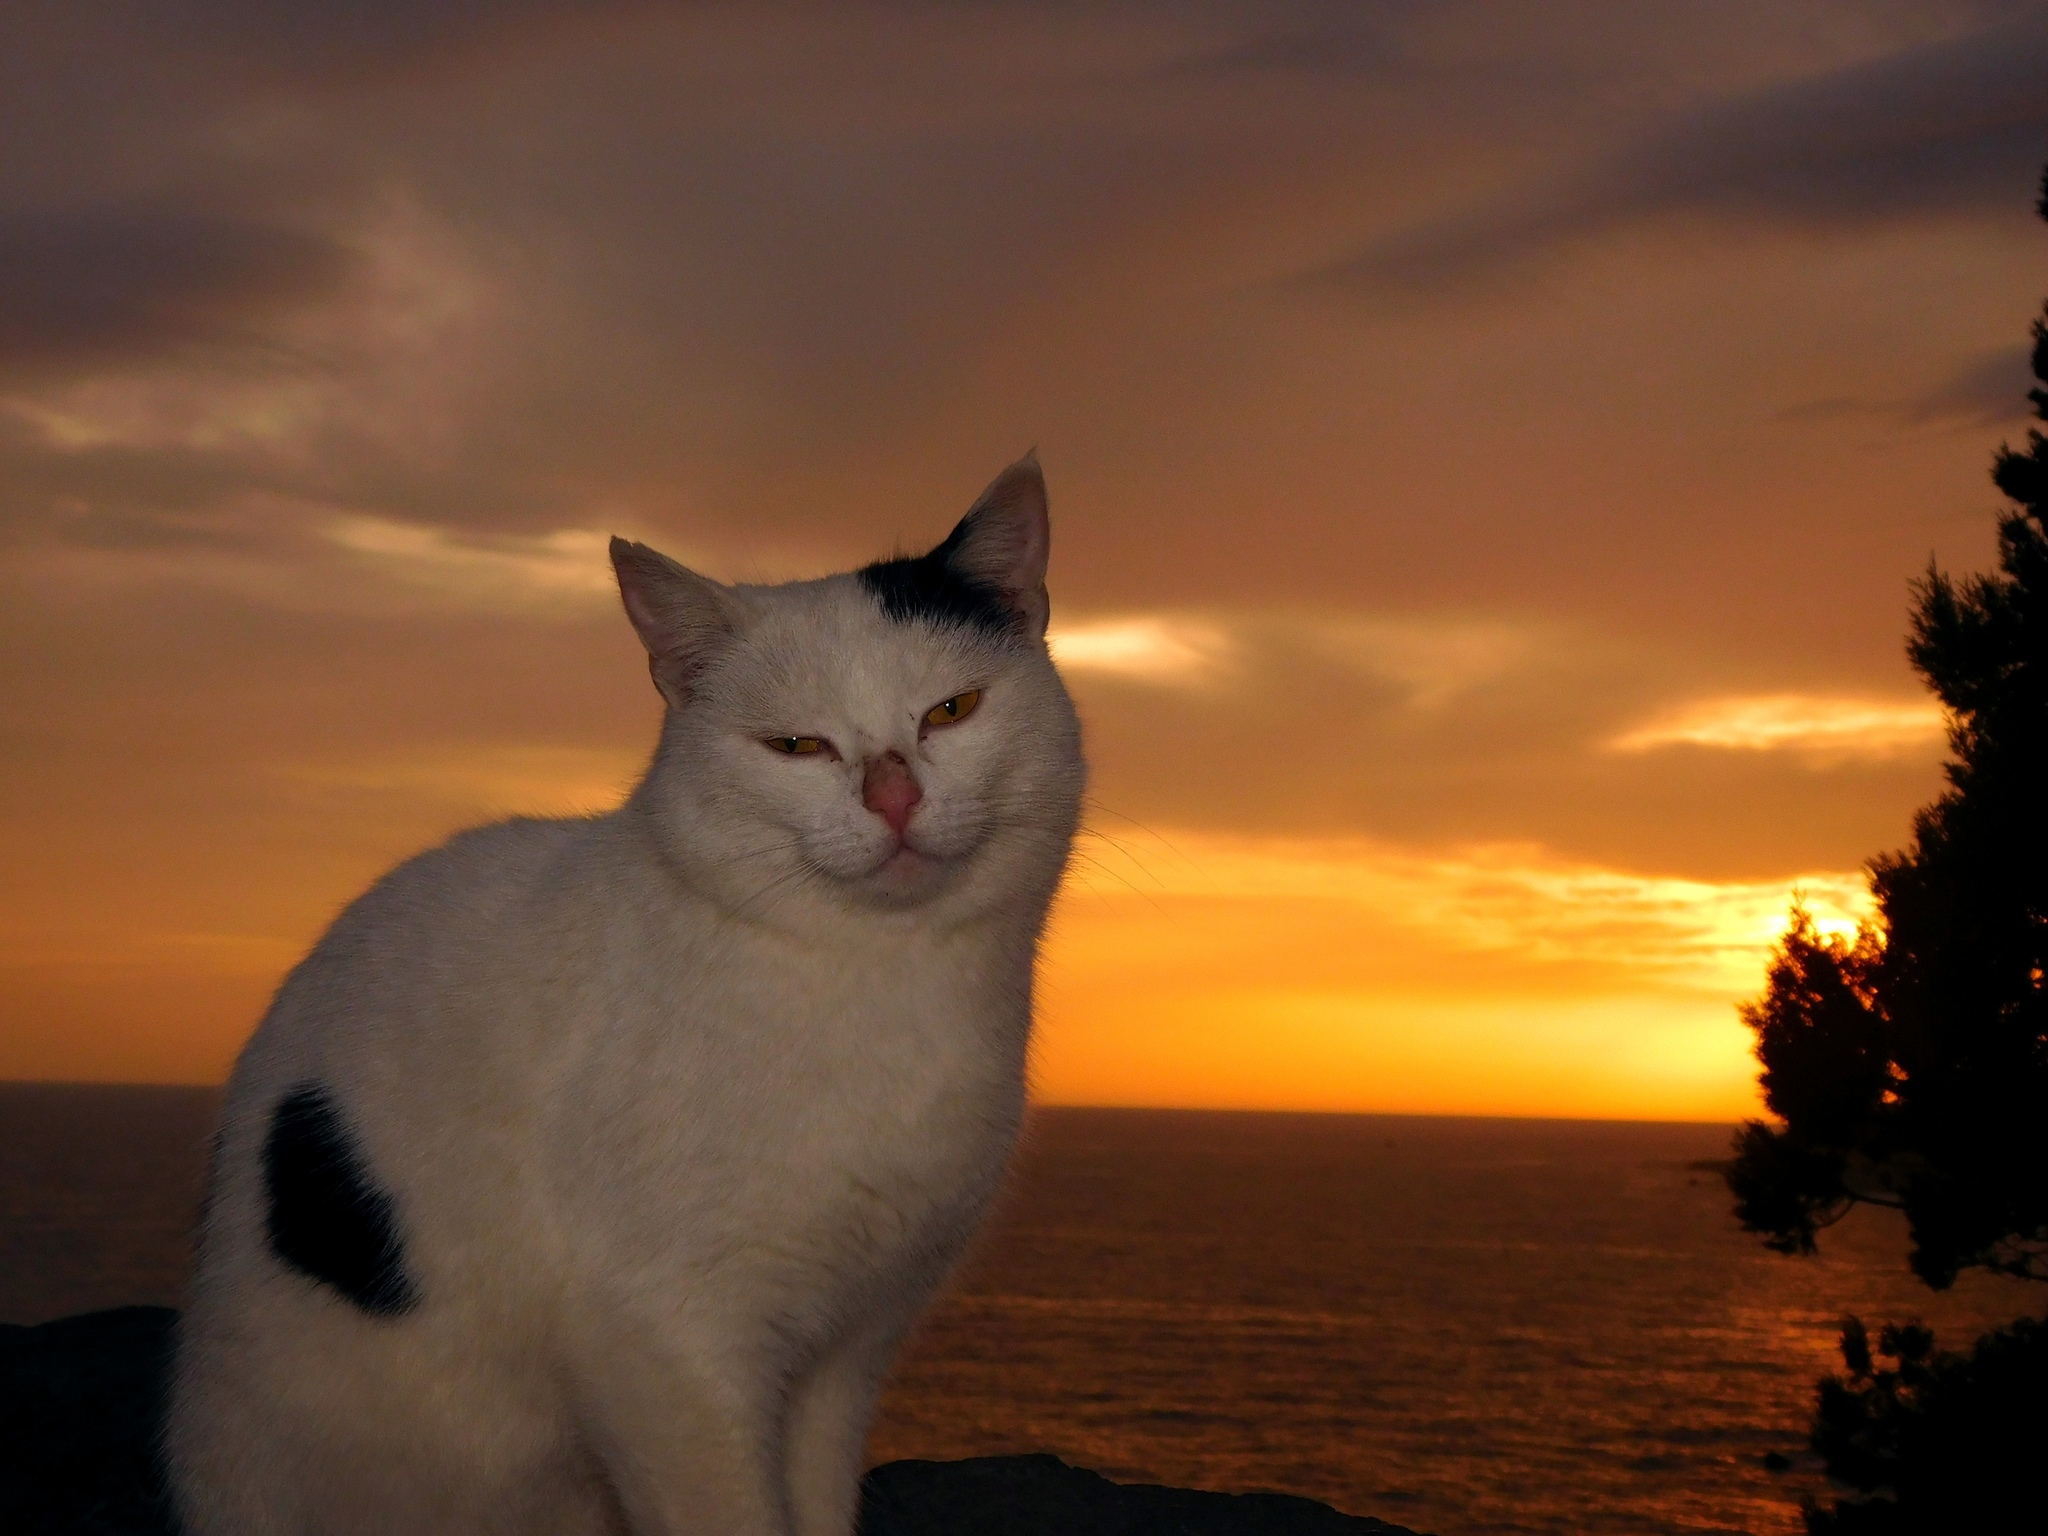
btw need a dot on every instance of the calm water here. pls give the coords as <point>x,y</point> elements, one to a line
<point>1467,1326</point>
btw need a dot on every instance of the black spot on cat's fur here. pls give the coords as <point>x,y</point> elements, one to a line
<point>928,587</point>
<point>328,1219</point>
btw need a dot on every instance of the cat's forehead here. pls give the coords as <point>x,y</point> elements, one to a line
<point>833,636</point>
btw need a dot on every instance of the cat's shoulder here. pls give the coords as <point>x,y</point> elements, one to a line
<point>479,867</point>
<point>518,842</point>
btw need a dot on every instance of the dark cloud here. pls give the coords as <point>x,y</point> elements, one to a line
<point>1954,127</point>
<point>310,33</point>
<point>113,495</point>
<point>306,40</point>
<point>81,289</point>
<point>1989,391</point>
<point>705,267</point>
<point>171,175</point>
<point>1347,43</point>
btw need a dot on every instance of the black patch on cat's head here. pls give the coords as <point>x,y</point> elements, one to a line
<point>327,1218</point>
<point>911,588</point>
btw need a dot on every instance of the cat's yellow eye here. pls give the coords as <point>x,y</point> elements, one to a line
<point>958,707</point>
<point>796,744</point>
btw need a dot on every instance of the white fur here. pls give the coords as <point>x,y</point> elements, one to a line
<point>685,1110</point>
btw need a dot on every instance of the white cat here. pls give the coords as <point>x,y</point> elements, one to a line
<point>586,1174</point>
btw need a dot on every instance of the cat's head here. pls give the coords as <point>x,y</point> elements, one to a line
<point>885,738</point>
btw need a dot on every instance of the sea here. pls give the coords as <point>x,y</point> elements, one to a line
<point>1464,1326</point>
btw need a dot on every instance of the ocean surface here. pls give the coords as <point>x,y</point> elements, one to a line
<point>1464,1326</point>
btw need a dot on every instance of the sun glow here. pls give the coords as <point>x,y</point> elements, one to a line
<point>1350,974</point>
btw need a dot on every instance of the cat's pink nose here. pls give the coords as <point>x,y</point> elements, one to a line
<point>889,789</point>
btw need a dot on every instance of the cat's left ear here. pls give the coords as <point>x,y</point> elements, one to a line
<point>1004,541</point>
<point>681,617</point>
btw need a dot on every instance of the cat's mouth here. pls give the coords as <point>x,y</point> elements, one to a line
<point>906,863</point>
<point>906,871</point>
<point>903,877</point>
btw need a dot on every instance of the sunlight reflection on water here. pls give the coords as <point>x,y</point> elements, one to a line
<point>1466,1326</point>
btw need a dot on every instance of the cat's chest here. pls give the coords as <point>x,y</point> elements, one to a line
<point>894,1002</point>
<point>809,1126</point>
<point>887,1046</point>
<point>889,1061</point>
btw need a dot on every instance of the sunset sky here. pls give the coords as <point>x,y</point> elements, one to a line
<point>1489,447</point>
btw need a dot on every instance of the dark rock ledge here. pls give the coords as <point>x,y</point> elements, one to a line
<point>80,1400</point>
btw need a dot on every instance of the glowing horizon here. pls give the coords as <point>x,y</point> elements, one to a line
<point>1388,964</point>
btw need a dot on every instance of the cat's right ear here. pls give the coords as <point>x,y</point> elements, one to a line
<point>681,617</point>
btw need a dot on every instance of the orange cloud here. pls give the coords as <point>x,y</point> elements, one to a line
<point>1813,726</point>
<point>568,566</point>
<point>1153,648</point>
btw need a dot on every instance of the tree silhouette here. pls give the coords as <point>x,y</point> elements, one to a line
<point>1910,1067</point>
